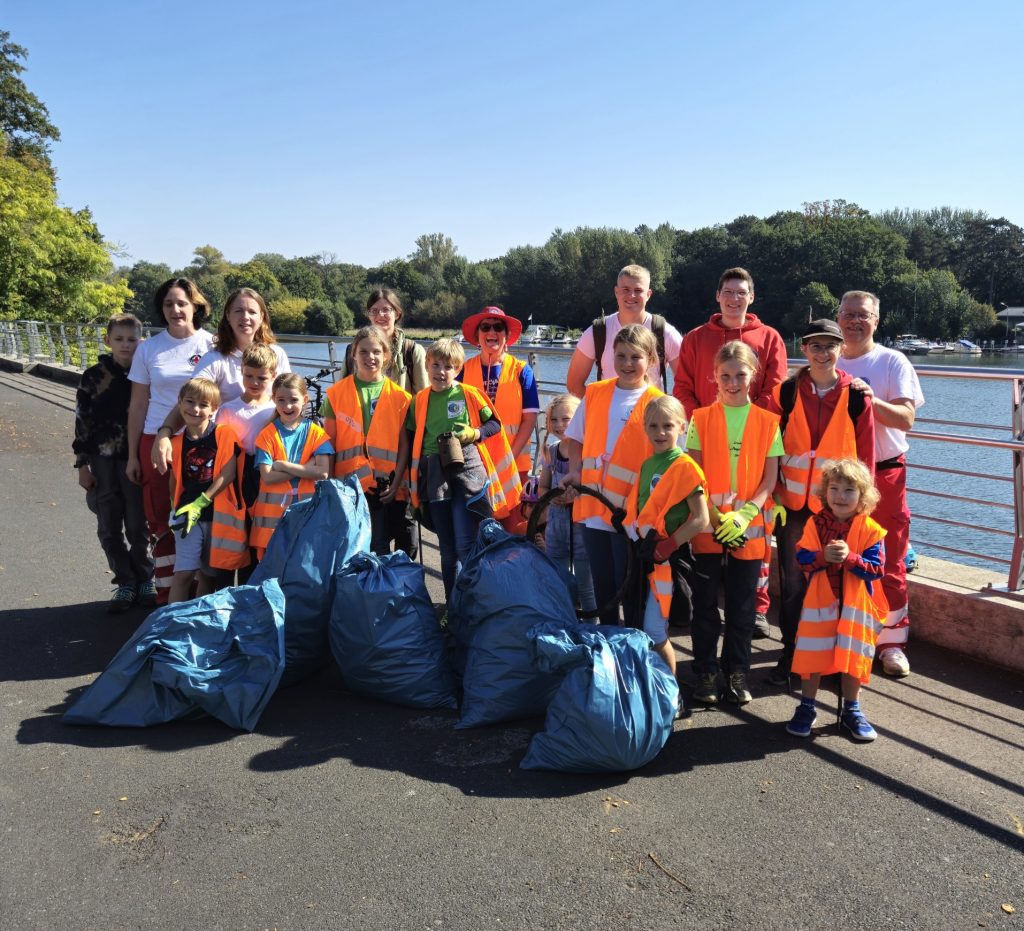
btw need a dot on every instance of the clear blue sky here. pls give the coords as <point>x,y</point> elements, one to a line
<point>300,127</point>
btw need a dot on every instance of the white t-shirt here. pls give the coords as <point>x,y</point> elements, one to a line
<point>246,419</point>
<point>165,364</point>
<point>891,376</point>
<point>673,340</point>
<point>226,370</point>
<point>623,402</point>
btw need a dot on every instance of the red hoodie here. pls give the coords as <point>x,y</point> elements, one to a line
<point>694,379</point>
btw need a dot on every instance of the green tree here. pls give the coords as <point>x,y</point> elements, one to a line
<point>433,252</point>
<point>255,275</point>
<point>325,318</point>
<point>143,279</point>
<point>812,302</point>
<point>990,261</point>
<point>208,260</point>
<point>444,309</point>
<point>24,119</point>
<point>288,314</point>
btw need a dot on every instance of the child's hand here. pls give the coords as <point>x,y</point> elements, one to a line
<point>467,435</point>
<point>836,551</point>
<point>85,478</point>
<point>570,493</point>
<point>280,465</point>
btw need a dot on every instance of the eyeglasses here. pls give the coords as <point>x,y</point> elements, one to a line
<point>491,327</point>
<point>831,349</point>
<point>383,312</point>
<point>858,317</point>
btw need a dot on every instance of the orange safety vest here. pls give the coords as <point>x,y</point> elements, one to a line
<point>503,486</point>
<point>274,499</point>
<point>614,477</point>
<point>373,455</point>
<point>836,636</point>
<point>508,401</point>
<point>758,434</point>
<point>677,483</point>
<point>229,546</point>
<point>799,471</point>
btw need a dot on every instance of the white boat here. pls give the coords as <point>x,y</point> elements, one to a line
<point>539,334</point>
<point>912,345</point>
<point>967,347</point>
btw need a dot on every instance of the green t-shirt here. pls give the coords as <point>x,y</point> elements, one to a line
<point>446,411</point>
<point>735,424</point>
<point>650,473</point>
<point>368,391</point>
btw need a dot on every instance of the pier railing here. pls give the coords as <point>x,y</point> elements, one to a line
<point>78,346</point>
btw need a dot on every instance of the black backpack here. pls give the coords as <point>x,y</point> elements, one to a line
<point>787,401</point>
<point>600,330</point>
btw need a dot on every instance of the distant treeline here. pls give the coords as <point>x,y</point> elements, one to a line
<point>940,273</point>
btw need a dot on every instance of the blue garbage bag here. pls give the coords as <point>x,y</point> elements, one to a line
<point>314,538</point>
<point>615,707</point>
<point>506,587</point>
<point>222,654</point>
<point>385,636</point>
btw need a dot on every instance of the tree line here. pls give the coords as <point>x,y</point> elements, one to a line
<point>942,273</point>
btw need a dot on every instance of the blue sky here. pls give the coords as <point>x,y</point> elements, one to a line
<point>351,128</point>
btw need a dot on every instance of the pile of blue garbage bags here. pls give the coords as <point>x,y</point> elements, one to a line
<point>512,647</point>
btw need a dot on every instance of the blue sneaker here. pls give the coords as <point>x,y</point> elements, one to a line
<point>858,726</point>
<point>803,720</point>
<point>910,560</point>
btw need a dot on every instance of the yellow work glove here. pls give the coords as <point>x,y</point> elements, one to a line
<point>466,435</point>
<point>779,515</point>
<point>734,524</point>
<point>191,513</point>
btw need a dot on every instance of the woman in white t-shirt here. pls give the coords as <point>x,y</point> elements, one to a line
<point>160,367</point>
<point>245,322</point>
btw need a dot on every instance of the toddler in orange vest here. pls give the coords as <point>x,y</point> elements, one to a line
<point>842,554</point>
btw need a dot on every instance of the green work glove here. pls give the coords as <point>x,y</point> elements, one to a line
<point>779,515</point>
<point>191,513</point>
<point>734,524</point>
<point>467,435</point>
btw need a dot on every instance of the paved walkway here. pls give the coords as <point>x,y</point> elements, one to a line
<point>340,812</point>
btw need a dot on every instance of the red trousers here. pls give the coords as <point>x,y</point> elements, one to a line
<point>894,516</point>
<point>156,499</point>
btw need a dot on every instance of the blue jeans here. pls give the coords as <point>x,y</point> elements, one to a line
<point>456,529</point>
<point>556,545</point>
<point>608,555</point>
<point>740,598</point>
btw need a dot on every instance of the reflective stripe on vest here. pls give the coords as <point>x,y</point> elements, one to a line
<point>508,399</point>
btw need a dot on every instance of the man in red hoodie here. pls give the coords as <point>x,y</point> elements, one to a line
<point>694,383</point>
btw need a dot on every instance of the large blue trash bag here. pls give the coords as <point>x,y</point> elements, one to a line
<point>314,538</point>
<point>385,635</point>
<point>222,654</point>
<point>615,707</point>
<point>506,586</point>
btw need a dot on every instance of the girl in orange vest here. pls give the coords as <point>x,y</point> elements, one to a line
<point>291,454</point>
<point>842,554</point>
<point>738,445</point>
<point>607,446</point>
<point>364,417</point>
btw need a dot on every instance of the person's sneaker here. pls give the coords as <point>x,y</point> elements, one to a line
<point>779,676</point>
<point>803,720</point>
<point>707,689</point>
<point>736,688</point>
<point>761,627</point>
<point>855,722</point>
<point>679,707</point>
<point>147,594</point>
<point>895,663</point>
<point>123,599</point>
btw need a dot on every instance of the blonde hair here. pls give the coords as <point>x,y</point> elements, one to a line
<point>290,380</point>
<point>638,336</point>
<point>634,271</point>
<point>202,389</point>
<point>664,405</point>
<point>260,356</point>
<point>557,401</point>
<point>855,473</point>
<point>447,350</point>
<point>737,351</point>
<point>374,333</point>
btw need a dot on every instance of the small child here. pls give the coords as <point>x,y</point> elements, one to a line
<point>842,554</point>
<point>671,510</point>
<point>204,468</point>
<point>364,416</point>
<point>563,542</point>
<point>288,450</point>
<point>454,499</point>
<point>101,454</point>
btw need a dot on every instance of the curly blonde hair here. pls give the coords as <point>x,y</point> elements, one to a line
<point>855,473</point>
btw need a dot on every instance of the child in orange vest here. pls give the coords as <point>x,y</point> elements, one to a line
<point>203,469</point>
<point>671,510</point>
<point>842,554</point>
<point>364,417</point>
<point>738,445</point>
<point>291,455</point>
<point>607,446</point>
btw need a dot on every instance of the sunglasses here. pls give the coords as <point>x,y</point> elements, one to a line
<point>491,327</point>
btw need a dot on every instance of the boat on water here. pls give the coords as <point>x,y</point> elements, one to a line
<point>966,347</point>
<point>912,345</point>
<point>539,334</point>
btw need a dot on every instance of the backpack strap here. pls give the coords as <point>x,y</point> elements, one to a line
<point>348,360</point>
<point>787,401</point>
<point>658,329</point>
<point>600,331</point>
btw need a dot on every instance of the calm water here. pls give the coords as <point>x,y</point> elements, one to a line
<point>970,406</point>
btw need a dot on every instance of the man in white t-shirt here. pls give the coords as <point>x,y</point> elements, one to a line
<point>632,292</point>
<point>890,380</point>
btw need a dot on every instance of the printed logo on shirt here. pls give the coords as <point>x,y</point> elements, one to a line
<point>456,409</point>
<point>194,359</point>
<point>654,480</point>
<point>627,412</point>
<point>373,405</point>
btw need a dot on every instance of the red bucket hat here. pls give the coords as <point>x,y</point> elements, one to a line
<point>471,324</point>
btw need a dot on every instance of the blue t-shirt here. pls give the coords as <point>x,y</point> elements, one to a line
<point>294,441</point>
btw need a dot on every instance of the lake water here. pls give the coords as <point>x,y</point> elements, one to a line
<point>963,406</point>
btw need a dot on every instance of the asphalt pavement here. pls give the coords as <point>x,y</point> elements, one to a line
<point>340,812</point>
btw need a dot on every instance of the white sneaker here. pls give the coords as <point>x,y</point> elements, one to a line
<point>895,662</point>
